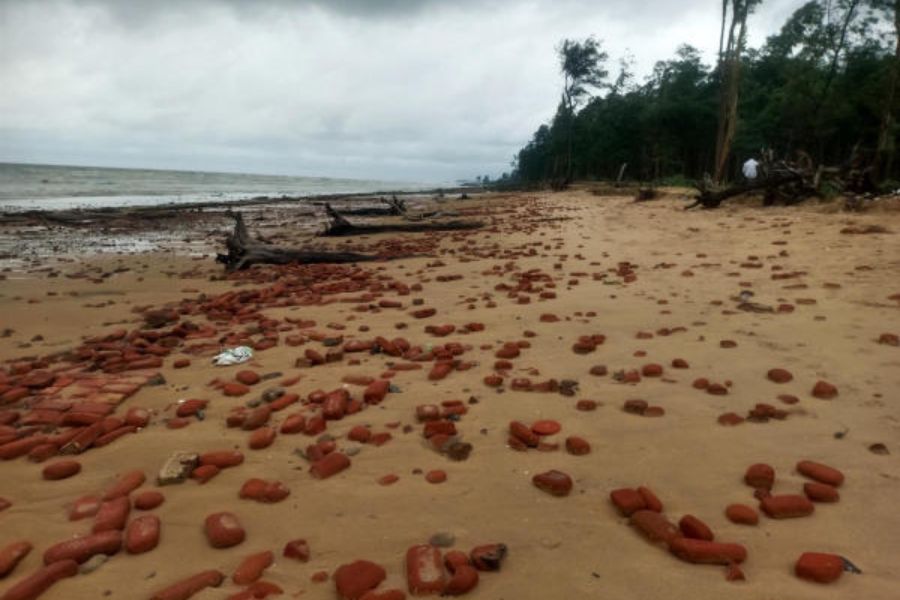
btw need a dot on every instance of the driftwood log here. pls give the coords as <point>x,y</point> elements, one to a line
<point>244,252</point>
<point>340,226</point>
<point>394,207</point>
<point>794,181</point>
<point>771,183</point>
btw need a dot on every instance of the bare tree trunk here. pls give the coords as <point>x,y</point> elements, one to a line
<point>244,252</point>
<point>731,72</point>
<point>838,49</point>
<point>570,118</point>
<point>727,117</point>
<point>884,154</point>
<point>722,29</point>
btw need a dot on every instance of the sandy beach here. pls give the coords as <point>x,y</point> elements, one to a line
<point>563,284</point>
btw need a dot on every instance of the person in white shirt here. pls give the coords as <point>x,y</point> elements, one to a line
<point>750,169</point>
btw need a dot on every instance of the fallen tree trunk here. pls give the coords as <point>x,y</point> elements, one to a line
<point>795,181</point>
<point>712,199</point>
<point>243,252</point>
<point>339,226</point>
<point>434,214</point>
<point>394,207</point>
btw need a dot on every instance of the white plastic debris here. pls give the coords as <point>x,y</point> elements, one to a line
<point>233,356</point>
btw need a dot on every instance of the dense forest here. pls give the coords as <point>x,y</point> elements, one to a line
<point>825,84</point>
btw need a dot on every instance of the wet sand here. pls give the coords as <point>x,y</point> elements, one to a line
<point>658,283</point>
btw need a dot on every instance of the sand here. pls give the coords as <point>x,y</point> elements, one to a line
<point>577,546</point>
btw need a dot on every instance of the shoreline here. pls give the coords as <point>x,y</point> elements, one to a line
<point>252,201</point>
<point>40,234</point>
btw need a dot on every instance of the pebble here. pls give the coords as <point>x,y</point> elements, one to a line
<point>442,539</point>
<point>555,483</point>
<point>741,514</point>
<point>819,567</point>
<point>93,563</point>
<point>824,390</point>
<point>546,427</point>
<point>436,476</point>
<point>779,375</point>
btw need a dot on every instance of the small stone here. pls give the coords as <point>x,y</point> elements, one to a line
<point>717,389</point>
<point>247,377</point>
<point>235,389</point>
<point>654,411</point>
<point>442,539</point>
<point>555,483</point>
<point>93,563</point>
<point>730,419</point>
<point>273,394</point>
<point>457,450</point>
<point>577,446</point>
<point>652,370</point>
<point>779,375</point>
<point>819,567</point>
<point>436,476</point>
<point>546,427</point>
<point>879,448</point>
<point>824,390</point>
<point>821,473</point>
<point>353,580</point>
<point>488,557</point>
<point>177,468</point>
<point>889,339</point>
<point>627,500</point>
<point>636,407</point>
<point>568,387</point>
<point>760,475</point>
<point>157,379</point>
<point>821,492</point>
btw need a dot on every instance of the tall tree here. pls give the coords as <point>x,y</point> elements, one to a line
<point>887,130</point>
<point>666,126</point>
<point>730,76</point>
<point>582,66</point>
<point>837,42</point>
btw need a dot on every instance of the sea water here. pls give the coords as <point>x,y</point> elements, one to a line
<point>49,187</point>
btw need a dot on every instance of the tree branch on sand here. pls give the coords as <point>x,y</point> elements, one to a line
<point>394,207</point>
<point>244,252</point>
<point>793,182</point>
<point>340,226</point>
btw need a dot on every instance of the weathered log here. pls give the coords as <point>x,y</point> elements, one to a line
<point>796,180</point>
<point>244,252</point>
<point>394,207</point>
<point>434,214</point>
<point>339,226</point>
<point>712,199</point>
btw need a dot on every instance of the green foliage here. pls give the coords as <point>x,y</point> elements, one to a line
<point>581,64</point>
<point>804,89</point>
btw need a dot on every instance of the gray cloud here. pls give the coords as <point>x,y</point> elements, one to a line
<point>391,89</point>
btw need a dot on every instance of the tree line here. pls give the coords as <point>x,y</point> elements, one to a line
<point>825,85</point>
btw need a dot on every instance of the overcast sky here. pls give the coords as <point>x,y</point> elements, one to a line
<point>417,90</point>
